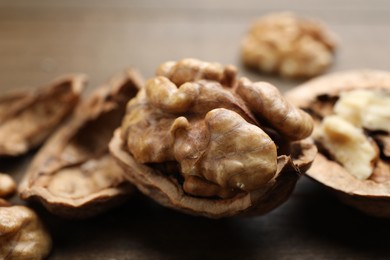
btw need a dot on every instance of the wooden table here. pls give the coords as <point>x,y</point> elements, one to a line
<point>40,40</point>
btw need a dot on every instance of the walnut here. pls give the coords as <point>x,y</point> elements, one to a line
<point>74,175</point>
<point>289,45</point>
<point>198,139</point>
<point>348,145</point>
<point>22,235</point>
<point>27,118</point>
<point>7,185</point>
<point>353,136</point>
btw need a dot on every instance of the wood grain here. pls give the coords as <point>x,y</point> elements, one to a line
<point>40,40</point>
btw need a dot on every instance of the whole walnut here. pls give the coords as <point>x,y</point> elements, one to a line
<point>288,45</point>
<point>198,139</point>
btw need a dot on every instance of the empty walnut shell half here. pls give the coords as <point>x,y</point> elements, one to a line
<point>357,173</point>
<point>27,118</point>
<point>74,175</point>
<point>199,140</point>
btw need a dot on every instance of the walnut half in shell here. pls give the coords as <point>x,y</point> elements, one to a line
<point>352,114</point>
<point>199,140</point>
<point>74,175</point>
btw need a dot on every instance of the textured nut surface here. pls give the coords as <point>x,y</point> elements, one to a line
<point>28,118</point>
<point>357,97</point>
<point>348,145</point>
<point>288,45</point>
<point>210,135</point>
<point>73,175</point>
<point>22,235</point>
<point>365,108</point>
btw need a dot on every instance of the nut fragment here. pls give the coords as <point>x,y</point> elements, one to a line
<point>348,145</point>
<point>365,108</point>
<point>73,175</point>
<point>28,118</point>
<point>7,185</point>
<point>289,45</point>
<point>202,148</point>
<point>22,235</point>
<point>359,97</point>
<point>265,101</point>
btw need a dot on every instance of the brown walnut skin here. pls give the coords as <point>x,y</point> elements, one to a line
<point>74,175</point>
<point>27,118</point>
<point>193,143</point>
<point>22,235</point>
<point>371,196</point>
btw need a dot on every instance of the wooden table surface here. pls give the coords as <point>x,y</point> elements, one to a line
<point>40,40</point>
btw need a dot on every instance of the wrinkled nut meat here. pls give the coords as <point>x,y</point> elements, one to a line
<point>74,175</point>
<point>288,45</point>
<point>199,140</point>
<point>27,118</point>
<point>7,185</point>
<point>22,235</point>
<point>352,118</point>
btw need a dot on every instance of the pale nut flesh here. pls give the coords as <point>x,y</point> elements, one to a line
<point>289,45</point>
<point>358,171</point>
<point>7,185</point>
<point>207,132</point>
<point>22,235</point>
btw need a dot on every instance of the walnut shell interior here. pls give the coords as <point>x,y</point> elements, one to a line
<point>318,97</point>
<point>27,118</point>
<point>198,139</point>
<point>74,175</point>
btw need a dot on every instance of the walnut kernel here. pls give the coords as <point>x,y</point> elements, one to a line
<point>348,145</point>
<point>22,235</point>
<point>198,127</point>
<point>288,45</point>
<point>7,185</point>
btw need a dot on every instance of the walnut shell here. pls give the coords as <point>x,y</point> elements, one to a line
<point>199,140</point>
<point>318,96</point>
<point>27,118</point>
<point>73,175</point>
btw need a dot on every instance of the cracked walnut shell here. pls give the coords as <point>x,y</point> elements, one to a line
<point>74,175</point>
<point>199,140</point>
<point>27,118</point>
<point>349,96</point>
<point>288,45</point>
<point>22,235</point>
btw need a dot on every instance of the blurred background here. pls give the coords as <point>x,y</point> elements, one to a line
<point>42,39</point>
